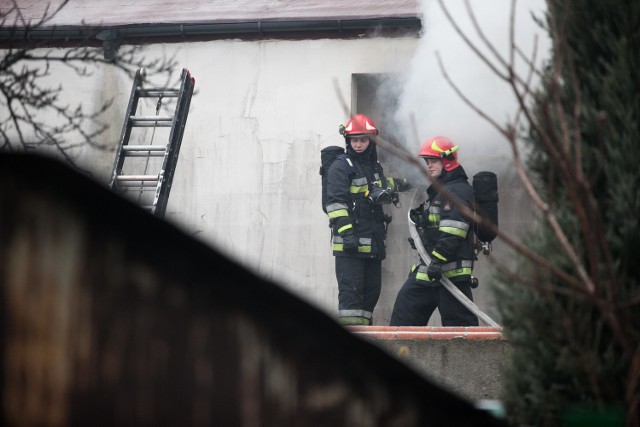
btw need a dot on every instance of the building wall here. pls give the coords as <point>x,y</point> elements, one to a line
<point>247,179</point>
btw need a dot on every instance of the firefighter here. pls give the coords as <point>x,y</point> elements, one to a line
<point>356,192</point>
<point>447,236</point>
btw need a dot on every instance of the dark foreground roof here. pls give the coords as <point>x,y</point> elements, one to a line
<point>112,316</point>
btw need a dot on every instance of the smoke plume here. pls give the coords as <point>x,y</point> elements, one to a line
<point>428,104</point>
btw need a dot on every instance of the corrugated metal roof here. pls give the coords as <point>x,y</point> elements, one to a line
<point>135,12</point>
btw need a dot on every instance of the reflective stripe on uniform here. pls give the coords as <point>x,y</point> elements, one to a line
<point>435,254</point>
<point>457,264</point>
<point>340,213</point>
<point>457,228</point>
<point>337,206</point>
<point>449,270</point>
<point>350,320</point>
<point>359,185</point>
<point>346,227</point>
<point>434,215</point>
<point>458,268</point>
<point>355,313</point>
<point>422,273</point>
<point>364,244</point>
<point>458,272</point>
<point>358,190</point>
<point>366,241</point>
<point>337,210</point>
<point>339,247</point>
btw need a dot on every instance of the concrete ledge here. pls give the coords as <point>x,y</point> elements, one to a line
<point>428,332</point>
<point>466,360</point>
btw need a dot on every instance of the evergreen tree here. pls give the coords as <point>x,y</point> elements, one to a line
<point>575,331</point>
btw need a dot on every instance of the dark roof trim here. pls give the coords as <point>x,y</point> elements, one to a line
<point>214,30</point>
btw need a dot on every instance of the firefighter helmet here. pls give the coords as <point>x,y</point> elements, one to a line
<point>358,125</point>
<point>441,148</point>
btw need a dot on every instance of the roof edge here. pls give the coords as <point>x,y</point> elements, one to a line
<point>334,27</point>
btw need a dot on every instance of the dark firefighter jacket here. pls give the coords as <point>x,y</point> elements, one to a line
<point>446,233</point>
<point>350,180</point>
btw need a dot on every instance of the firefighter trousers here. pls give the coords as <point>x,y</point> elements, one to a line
<point>417,300</point>
<point>359,286</point>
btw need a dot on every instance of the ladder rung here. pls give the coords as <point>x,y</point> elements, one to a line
<point>144,148</point>
<point>137,178</point>
<point>144,185</point>
<point>145,154</point>
<point>151,121</point>
<point>151,118</point>
<point>158,92</point>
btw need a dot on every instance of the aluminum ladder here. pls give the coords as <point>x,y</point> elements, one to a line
<point>143,171</point>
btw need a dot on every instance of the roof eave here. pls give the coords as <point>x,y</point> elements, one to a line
<point>148,32</point>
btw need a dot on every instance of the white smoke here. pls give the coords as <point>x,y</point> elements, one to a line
<point>429,105</point>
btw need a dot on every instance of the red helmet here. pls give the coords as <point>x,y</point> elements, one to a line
<point>358,125</point>
<point>441,148</point>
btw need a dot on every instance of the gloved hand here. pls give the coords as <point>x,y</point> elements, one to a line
<point>416,215</point>
<point>412,243</point>
<point>434,270</point>
<point>350,243</point>
<point>378,196</point>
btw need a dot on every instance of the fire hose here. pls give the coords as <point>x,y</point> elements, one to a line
<point>413,231</point>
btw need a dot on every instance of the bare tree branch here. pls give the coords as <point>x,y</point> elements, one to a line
<point>36,115</point>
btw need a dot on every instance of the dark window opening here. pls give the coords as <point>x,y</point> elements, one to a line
<point>377,96</point>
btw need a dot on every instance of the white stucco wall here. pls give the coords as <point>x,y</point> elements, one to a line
<point>247,181</point>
